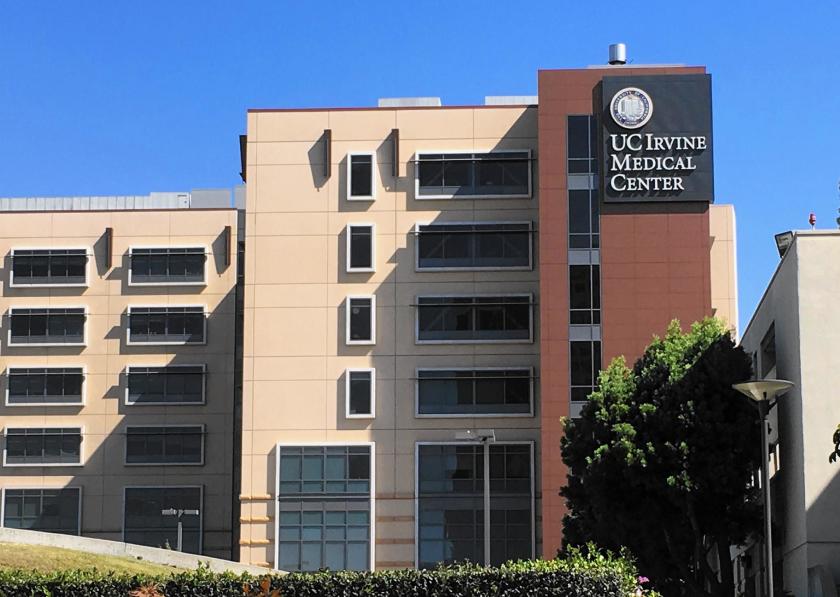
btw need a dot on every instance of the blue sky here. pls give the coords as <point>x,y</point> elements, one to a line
<point>126,98</point>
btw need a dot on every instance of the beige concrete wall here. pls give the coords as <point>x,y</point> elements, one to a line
<point>723,260</point>
<point>105,357</point>
<point>295,355</point>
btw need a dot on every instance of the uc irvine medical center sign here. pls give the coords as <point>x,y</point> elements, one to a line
<point>657,138</point>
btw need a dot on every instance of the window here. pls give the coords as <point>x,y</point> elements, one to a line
<point>474,319</point>
<point>166,325</point>
<point>474,246</point>
<point>36,446</point>
<point>474,392</point>
<point>768,351</point>
<point>173,384</point>
<point>46,510</point>
<point>585,294</point>
<point>324,500</point>
<point>584,366</point>
<point>503,174</point>
<point>360,248</point>
<point>143,523</point>
<point>361,319</point>
<point>168,265</point>
<point>361,393</point>
<point>166,444</point>
<point>360,176</point>
<point>450,507</point>
<point>49,267</point>
<point>47,326</point>
<point>582,133</point>
<point>45,385</point>
<point>584,221</point>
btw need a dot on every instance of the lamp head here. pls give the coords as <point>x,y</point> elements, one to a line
<point>761,390</point>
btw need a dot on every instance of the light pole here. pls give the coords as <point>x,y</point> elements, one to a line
<point>764,392</point>
<point>486,437</point>
<point>179,514</point>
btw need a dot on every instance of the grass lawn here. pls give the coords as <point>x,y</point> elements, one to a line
<point>47,559</point>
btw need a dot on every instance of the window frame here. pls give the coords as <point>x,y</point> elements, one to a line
<point>79,464</point>
<point>10,368</point>
<point>79,489</point>
<point>348,245</point>
<point>132,248</point>
<point>515,268</point>
<point>200,426</point>
<point>200,507</point>
<point>347,306</point>
<point>531,322</point>
<point>371,498</point>
<point>531,390</point>
<point>417,158</point>
<point>88,254</point>
<point>372,413</point>
<point>417,444</point>
<point>575,405</point>
<point>11,310</point>
<point>129,342</point>
<point>203,366</point>
<point>349,177</point>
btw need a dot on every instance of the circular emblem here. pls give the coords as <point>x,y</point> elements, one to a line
<point>631,108</point>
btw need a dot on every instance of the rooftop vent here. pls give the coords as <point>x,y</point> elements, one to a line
<point>618,54</point>
<point>409,102</point>
<point>509,100</point>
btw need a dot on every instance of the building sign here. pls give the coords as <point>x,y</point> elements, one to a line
<point>657,138</point>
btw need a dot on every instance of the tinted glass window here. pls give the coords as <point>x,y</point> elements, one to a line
<point>167,265</point>
<point>45,267</point>
<point>164,445</point>
<point>470,246</point>
<point>498,392</point>
<point>361,319</point>
<point>146,525</point>
<point>43,445</point>
<point>489,174</point>
<point>45,510</point>
<point>166,324</point>
<point>175,384</point>
<point>361,392</point>
<point>361,247</point>
<point>47,326</point>
<point>361,175</point>
<point>474,318</point>
<point>45,385</point>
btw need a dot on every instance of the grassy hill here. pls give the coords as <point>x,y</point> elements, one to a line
<point>47,559</point>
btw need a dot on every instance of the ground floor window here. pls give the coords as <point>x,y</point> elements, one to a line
<point>469,498</point>
<point>151,517</point>
<point>324,507</point>
<point>48,510</point>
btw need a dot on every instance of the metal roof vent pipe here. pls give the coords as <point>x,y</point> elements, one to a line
<point>618,54</point>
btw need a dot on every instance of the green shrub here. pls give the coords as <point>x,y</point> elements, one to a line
<point>586,573</point>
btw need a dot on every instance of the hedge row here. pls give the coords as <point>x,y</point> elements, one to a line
<point>579,575</point>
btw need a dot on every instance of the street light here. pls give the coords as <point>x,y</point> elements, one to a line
<point>179,514</point>
<point>486,437</point>
<point>764,392</point>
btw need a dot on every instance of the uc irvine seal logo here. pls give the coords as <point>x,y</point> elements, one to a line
<point>631,108</point>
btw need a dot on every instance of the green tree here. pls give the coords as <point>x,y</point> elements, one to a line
<point>662,458</point>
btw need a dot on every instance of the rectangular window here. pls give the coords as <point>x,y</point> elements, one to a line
<point>49,267</point>
<point>324,500</point>
<point>46,510</point>
<point>584,220</point>
<point>144,523</point>
<point>361,168</point>
<point>768,351</point>
<point>166,325</point>
<point>361,319</point>
<point>44,385</point>
<point>582,134</point>
<point>360,248</point>
<point>164,445</point>
<point>173,384</point>
<point>585,294</point>
<point>474,319</point>
<point>361,393</point>
<point>451,515</point>
<point>47,326</point>
<point>584,366</point>
<point>474,392</point>
<point>36,446</point>
<point>168,265</point>
<point>502,174</point>
<point>474,246</point>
